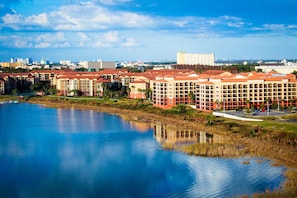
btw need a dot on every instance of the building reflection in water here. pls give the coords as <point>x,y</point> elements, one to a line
<point>71,120</point>
<point>140,126</point>
<point>168,134</point>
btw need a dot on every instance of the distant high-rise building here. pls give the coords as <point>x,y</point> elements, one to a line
<point>13,60</point>
<point>29,61</point>
<point>195,59</point>
<point>65,62</point>
<point>24,61</point>
<point>44,61</point>
<point>97,65</point>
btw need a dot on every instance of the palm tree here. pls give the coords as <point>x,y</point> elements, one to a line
<point>248,103</point>
<point>98,92</point>
<point>142,91</point>
<point>128,91</point>
<point>133,87</point>
<point>103,88</point>
<point>291,103</point>
<point>192,97</point>
<point>149,93</point>
<point>218,103</point>
<point>14,92</point>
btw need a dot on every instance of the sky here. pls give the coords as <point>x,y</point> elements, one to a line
<point>147,30</point>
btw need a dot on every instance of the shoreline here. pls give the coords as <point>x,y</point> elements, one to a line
<point>236,146</point>
<point>254,146</point>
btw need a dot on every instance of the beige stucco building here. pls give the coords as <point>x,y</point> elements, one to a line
<point>219,89</point>
<point>195,59</point>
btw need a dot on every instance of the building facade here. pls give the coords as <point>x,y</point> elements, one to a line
<point>171,91</point>
<point>138,89</point>
<point>195,59</point>
<point>2,86</point>
<point>226,91</point>
<point>98,65</point>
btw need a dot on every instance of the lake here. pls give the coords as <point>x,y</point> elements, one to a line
<point>49,152</point>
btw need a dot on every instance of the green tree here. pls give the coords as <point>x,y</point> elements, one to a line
<point>179,109</point>
<point>210,120</point>
<point>218,103</point>
<point>128,91</point>
<point>248,103</point>
<point>149,93</point>
<point>142,91</point>
<point>14,92</point>
<point>52,91</point>
<point>192,97</point>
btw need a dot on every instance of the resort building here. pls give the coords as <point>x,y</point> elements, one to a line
<point>246,90</point>
<point>2,86</point>
<point>98,65</point>
<point>70,85</point>
<point>171,91</point>
<point>195,59</point>
<point>283,69</point>
<point>223,90</point>
<point>207,91</point>
<point>138,89</point>
<point>13,64</point>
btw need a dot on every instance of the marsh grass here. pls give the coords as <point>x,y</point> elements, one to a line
<point>213,150</point>
<point>246,162</point>
<point>259,161</point>
<point>288,189</point>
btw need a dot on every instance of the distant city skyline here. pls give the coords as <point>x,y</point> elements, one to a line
<point>122,30</point>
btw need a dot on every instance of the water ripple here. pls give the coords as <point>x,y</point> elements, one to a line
<point>100,155</point>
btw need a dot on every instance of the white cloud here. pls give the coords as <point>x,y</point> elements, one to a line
<point>105,40</point>
<point>82,36</point>
<point>12,20</point>
<point>278,28</point>
<point>49,37</point>
<point>15,41</point>
<point>113,2</point>
<point>91,25</point>
<point>238,24</point>
<point>42,45</point>
<point>46,40</point>
<point>111,37</point>
<point>90,16</point>
<point>19,22</point>
<point>292,26</point>
<point>130,42</point>
<point>40,19</point>
<point>63,40</point>
<point>208,35</point>
<point>101,44</point>
<point>274,26</point>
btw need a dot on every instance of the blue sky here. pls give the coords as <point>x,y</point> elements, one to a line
<point>147,30</point>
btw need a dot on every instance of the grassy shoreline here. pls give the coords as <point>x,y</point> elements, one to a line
<point>251,138</point>
<point>242,139</point>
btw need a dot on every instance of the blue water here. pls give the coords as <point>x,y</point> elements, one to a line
<point>48,152</point>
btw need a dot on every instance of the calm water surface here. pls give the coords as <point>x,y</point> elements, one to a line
<point>47,152</point>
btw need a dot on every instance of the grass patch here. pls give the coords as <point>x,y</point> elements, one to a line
<point>246,162</point>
